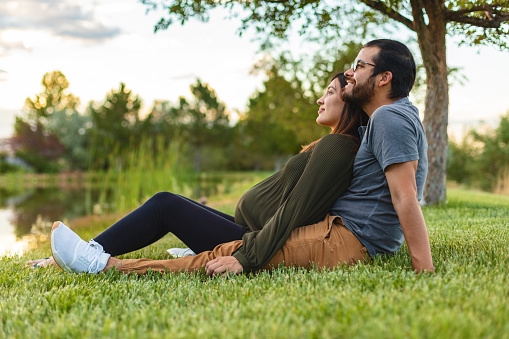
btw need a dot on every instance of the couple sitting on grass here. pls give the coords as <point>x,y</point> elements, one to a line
<point>347,197</point>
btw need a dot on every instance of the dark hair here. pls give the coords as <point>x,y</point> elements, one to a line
<point>351,119</point>
<point>396,58</point>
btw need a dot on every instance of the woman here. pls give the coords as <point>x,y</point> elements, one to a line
<point>298,195</point>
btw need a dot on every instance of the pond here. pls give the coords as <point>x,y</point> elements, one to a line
<point>21,208</point>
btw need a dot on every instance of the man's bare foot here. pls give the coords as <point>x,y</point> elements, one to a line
<point>40,263</point>
<point>113,263</point>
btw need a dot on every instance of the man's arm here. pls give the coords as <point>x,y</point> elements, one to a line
<point>401,180</point>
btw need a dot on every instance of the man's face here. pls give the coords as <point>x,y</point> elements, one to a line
<point>361,87</point>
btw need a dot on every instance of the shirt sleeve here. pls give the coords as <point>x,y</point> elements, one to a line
<point>392,137</point>
<point>325,178</point>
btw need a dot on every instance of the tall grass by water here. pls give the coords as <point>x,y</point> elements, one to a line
<point>150,167</point>
<point>465,298</point>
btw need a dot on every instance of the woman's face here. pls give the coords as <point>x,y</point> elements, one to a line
<point>331,105</point>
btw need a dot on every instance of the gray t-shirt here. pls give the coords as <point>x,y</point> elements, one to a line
<point>394,134</point>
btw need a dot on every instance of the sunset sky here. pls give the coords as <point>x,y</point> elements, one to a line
<point>99,43</point>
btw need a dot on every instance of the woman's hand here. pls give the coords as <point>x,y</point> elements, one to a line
<point>223,265</point>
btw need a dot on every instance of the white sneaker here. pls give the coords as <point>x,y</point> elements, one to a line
<point>180,252</point>
<point>72,254</point>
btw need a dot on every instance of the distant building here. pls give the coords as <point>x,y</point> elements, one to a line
<point>7,149</point>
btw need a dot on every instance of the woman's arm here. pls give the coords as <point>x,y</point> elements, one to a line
<point>325,178</point>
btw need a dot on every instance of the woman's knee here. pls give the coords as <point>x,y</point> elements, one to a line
<point>165,200</point>
<point>163,197</point>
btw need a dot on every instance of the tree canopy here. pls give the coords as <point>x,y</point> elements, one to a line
<point>35,141</point>
<point>475,22</point>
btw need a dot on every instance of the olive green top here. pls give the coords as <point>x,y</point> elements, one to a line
<point>300,194</point>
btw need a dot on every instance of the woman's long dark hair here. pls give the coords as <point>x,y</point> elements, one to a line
<point>351,119</point>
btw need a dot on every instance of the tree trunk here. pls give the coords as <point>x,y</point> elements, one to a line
<point>431,38</point>
<point>435,124</point>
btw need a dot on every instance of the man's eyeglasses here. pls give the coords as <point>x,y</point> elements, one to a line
<point>357,62</point>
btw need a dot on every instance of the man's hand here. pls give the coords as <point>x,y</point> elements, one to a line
<point>222,265</point>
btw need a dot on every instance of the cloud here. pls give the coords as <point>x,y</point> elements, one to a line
<point>8,45</point>
<point>63,18</point>
<point>185,76</point>
<point>2,73</point>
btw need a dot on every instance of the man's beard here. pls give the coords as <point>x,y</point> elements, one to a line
<point>360,95</point>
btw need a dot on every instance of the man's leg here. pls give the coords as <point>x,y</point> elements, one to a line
<point>325,244</point>
<point>184,264</point>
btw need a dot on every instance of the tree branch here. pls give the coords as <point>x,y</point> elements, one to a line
<point>382,8</point>
<point>480,8</point>
<point>494,16</point>
<point>492,21</point>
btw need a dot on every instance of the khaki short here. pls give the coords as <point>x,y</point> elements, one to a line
<point>325,244</point>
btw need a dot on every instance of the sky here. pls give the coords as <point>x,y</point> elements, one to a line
<point>99,43</point>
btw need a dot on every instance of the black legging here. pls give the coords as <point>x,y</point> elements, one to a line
<point>198,226</point>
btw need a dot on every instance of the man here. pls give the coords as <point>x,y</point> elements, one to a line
<point>381,205</point>
<point>380,208</point>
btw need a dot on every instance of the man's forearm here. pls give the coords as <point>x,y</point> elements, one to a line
<point>416,234</point>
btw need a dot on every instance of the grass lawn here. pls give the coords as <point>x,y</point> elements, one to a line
<point>466,298</point>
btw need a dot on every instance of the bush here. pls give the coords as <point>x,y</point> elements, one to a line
<point>6,166</point>
<point>482,157</point>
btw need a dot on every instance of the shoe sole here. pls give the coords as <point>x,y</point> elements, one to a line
<point>55,226</point>
<point>179,255</point>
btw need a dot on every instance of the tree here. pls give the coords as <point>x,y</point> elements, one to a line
<point>72,129</point>
<point>279,118</point>
<point>115,124</point>
<point>34,140</point>
<point>202,122</point>
<point>493,160</point>
<point>5,166</point>
<point>461,161</point>
<point>477,22</point>
<point>55,97</point>
<point>38,148</point>
<point>481,159</point>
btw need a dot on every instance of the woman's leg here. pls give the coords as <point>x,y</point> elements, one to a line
<point>210,209</point>
<point>199,227</point>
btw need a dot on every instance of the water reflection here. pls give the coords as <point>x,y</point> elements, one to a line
<point>8,242</point>
<point>47,203</point>
<point>22,207</point>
